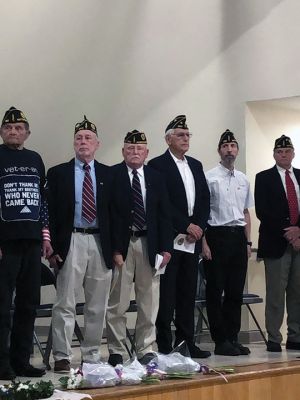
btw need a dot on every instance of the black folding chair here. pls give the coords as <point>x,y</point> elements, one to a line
<point>45,311</point>
<point>200,304</point>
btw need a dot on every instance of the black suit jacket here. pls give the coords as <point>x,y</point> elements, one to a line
<point>61,195</point>
<point>158,219</point>
<point>179,206</point>
<point>272,210</point>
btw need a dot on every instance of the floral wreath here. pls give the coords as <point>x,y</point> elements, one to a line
<point>26,390</point>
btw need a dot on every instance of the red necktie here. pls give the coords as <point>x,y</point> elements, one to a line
<point>88,200</point>
<point>291,198</point>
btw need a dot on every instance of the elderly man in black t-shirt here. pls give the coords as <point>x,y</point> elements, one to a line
<point>23,224</point>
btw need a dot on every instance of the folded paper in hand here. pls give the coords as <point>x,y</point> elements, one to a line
<point>158,261</point>
<point>181,244</point>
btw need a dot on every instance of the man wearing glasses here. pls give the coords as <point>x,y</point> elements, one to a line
<point>189,196</point>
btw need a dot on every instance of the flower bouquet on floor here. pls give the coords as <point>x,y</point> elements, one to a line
<point>90,376</point>
<point>131,373</point>
<point>177,363</point>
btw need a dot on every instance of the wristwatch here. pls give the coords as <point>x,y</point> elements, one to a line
<point>249,243</point>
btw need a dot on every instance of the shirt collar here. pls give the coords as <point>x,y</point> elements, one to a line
<point>140,170</point>
<point>225,171</point>
<point>80,164</point>
<point>177,160</point>
<point>280,169</point>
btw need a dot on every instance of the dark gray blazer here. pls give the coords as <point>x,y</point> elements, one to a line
<point>158,218</point>
<point>179,206</point>
<point>272,210</point>
<point>61,195</point>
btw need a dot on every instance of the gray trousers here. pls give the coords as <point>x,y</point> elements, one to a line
<point>84,267</point>
<point>283,283</point>
<point>138,269</point>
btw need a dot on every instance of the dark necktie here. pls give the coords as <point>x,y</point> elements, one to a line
<point>139,216</point>
<point>291,198</point>
<point>88,200</point>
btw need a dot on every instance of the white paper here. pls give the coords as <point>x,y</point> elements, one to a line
<point>158,261</point>
<point>181,244</point>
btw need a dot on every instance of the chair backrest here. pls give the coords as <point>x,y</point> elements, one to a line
<point>47,276</point>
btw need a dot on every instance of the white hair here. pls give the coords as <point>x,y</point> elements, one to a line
<point>169,132</point>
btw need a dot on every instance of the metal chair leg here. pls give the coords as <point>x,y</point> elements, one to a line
<point>256,323</point>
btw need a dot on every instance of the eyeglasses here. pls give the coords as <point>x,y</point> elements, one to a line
<point>182,135</point>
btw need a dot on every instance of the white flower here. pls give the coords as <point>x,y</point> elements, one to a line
<point>22,386</point>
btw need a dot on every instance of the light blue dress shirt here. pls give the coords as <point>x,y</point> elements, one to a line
<point>80,222</point>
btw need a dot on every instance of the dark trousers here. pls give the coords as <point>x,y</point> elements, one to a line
<point>20,270</point>
<point>225,275</point>
<point>177,293</point>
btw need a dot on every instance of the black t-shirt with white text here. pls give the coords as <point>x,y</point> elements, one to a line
<point>22,178</point>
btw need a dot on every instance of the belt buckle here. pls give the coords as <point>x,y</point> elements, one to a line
<point>134,236</point>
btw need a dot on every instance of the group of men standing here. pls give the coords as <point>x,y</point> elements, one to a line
<point>104,229</point>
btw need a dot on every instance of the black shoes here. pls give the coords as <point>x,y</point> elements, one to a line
<point>273,347</point>
<point>62,366</point>
<point>243,349</point>
<point>292,345</point>
<point>115,359</point>
<point>226,349</point>
<point>276,347</point>
<point>29,371</point>
<point>146,358</point>
<point>195,352</point>
<point>7,373</point>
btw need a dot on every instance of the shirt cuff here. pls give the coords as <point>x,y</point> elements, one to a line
<point>46,234</point>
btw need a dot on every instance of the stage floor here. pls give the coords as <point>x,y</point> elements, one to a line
<point>258,355</point>
<point>262,381</point>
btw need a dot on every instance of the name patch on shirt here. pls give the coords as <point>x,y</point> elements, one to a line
<point>20,197</point>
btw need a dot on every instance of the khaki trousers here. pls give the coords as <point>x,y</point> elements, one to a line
<point>137,268</point>
<point>84,267</point>
<point>283,282</point>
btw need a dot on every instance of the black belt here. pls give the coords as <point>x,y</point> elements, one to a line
<point>87,231</point>
<point>227,229</point>
<point>138,233</point>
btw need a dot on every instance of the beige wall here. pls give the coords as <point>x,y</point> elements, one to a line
<point>137,63</point>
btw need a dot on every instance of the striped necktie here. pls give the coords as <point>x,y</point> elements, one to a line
<point>139,216</point>
<point>88,200</point>
<point>291,198</point>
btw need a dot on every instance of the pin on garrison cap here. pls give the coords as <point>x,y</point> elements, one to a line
<point>283,142</point>
<point>227,137</point>
<point>85,125</point>
<point>13,115</point>
<point>177,122</point>
<point>135,137</point>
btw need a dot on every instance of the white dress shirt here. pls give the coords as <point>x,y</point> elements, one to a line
<point>188,181</point>
<point>229,196</point>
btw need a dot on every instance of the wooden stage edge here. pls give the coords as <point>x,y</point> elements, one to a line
<point>265,381</point>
